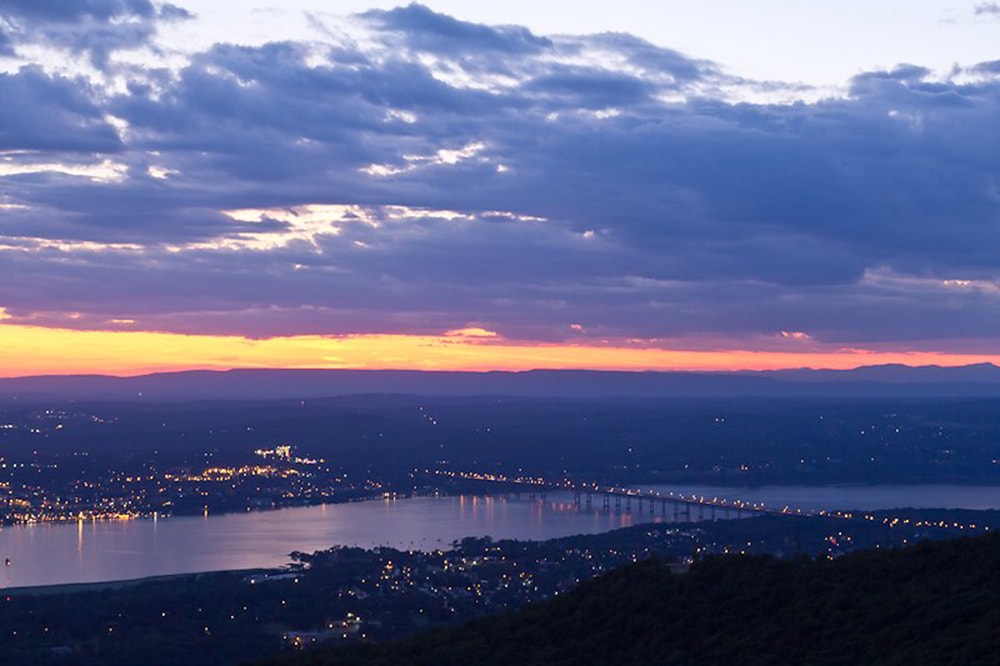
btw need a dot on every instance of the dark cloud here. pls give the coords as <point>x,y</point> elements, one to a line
<point>95,28</point>
<point>991,67</point>
<point>6,43</point>
<point>423,29</point>
<point>526,184</point>
<point>591,88</point>
<point>169,12</point>
<point>59,11</point>
<point>43,112</point>
<point>987,9</point>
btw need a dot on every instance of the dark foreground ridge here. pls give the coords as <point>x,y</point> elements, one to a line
<point>935,603</point>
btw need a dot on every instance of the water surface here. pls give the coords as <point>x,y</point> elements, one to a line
<point>91,551</point>
<point>829,498</point>
<point>48,554</point>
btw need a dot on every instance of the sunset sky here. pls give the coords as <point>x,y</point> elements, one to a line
<point>464,185</point>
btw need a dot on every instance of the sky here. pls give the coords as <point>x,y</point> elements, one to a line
<point>716,185</point>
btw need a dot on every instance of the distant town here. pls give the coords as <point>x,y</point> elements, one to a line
<point>70,462</point>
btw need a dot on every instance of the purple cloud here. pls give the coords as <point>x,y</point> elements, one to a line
<point>423,29</point>
<point>521,182</point>
<point>95,28</point>
<point>43,112</point>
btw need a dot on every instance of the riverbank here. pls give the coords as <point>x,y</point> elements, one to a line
<point>74,588</point>
<point>155,515</point>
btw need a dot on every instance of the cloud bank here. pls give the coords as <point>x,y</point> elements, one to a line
<point>440,175</point>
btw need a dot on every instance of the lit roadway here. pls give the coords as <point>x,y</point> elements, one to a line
<point>587,490</point>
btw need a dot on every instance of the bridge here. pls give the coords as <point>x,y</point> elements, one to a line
<point>620,498</point>
<point>681,505</point>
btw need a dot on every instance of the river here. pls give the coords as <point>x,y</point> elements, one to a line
<point>94,551</point>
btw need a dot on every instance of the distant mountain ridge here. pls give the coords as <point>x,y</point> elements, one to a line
<point>895,373</point>
<point>979,380</point>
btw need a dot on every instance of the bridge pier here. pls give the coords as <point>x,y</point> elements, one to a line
<point>682,506</point>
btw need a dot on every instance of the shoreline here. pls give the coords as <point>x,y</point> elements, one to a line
<point>473,488</point>
<point>155,515</point>
<point>98,586</point>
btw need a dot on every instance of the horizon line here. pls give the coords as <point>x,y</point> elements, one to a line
<point>519,371</point>
<point>32,350</point>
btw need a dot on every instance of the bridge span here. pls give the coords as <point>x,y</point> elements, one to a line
<point>679,504</point>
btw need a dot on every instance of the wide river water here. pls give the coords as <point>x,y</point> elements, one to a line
<point>93,551</point>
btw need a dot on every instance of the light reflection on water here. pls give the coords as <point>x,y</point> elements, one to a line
<point>829,498</point>
<point>100,551</point>
<point>91,551</point>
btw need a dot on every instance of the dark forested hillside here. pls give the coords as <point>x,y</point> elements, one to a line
<point>936,603</point>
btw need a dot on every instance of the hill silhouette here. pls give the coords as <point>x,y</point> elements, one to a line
<point>981,380</point>
<point>935,603</point>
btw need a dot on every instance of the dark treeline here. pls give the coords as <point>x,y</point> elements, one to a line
<point>937,603</point>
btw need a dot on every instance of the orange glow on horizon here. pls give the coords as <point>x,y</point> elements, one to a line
<point>35,350</point>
